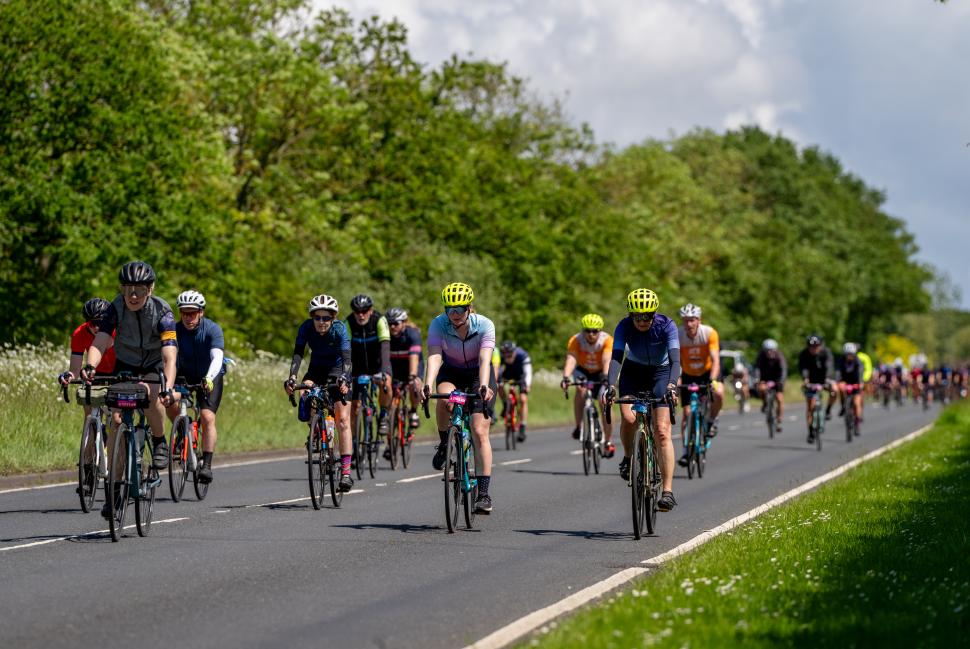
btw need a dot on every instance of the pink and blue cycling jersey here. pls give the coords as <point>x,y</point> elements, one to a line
<point>456,352</point>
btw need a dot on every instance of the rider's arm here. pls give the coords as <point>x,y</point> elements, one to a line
<point>714,347</point>
<point>673,351</point>
<point>217,352</point>
<point>384,336</point>
<point>434,364</point>
<point>527,372</point>
<point>484,364</point>
<point>170,357</point>
<point>619,348</point>
<point>414,351</point>
<point>569,366</point>
<point>299,348</point>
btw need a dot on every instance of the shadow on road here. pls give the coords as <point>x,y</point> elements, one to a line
<point>582,534</point>
<point>406,528</point>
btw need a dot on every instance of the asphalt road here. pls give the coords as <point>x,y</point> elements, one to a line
<point>254,565</point>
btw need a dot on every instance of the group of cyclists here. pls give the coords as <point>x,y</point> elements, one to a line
<point>648,353</point>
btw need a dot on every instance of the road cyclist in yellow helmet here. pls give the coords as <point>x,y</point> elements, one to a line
<point>460,346</point>
<point>646,358</point>
<point>588,356</point>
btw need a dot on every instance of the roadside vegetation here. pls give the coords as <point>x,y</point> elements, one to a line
<point>874,558</point>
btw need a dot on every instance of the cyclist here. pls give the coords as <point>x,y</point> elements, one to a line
<point>407,364</point>
<point>140,327</point>
<point>330,358</point>
<point>647,348</point>
<point>94,309</point>
<point>202,350</point>
<point>516,366</point>
<point>460,345</point>
<point>588,359</point>
<point>850,371</point>
<point>771,365</point>
<point>370,346</point>
<point>815,366</point>
<point>700,360</point>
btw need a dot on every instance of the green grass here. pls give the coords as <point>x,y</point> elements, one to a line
<point>876,558</point>
<point>39,432</point>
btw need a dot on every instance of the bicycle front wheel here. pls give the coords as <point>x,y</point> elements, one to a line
<point>771,418</point>
<point>406,449</point>
<point>372,445</point>
<point>700,454</point>
<point>87,463</point>
<point>178,458</point>
<point>639,476</point>
<point>597,441</point>
<point>452,479</point>
<point>394,438</point>
<point>586,443</point>
<point>691,444</point>
<point>117,483</point>
<point>817,421</point>
<point>469,497</point>
<point>358,450</point>
<point>316,469</point>
<point>148,481</point>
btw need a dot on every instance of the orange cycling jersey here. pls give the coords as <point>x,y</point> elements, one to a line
<point>697,353</point>
<point>590,357</point>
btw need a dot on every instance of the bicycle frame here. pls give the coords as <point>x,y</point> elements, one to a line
<point>462,422</point>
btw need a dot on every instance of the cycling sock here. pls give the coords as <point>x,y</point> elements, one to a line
<point>443,434</point>
<point>483,481</point>
<point>383,412</point>
<point>157,440</point>
<point>206,458</point>
<point>345,465</point>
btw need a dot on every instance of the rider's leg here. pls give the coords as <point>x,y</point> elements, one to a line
<point>665,446</point>
<point>718,401</point>
<point>627,425</point>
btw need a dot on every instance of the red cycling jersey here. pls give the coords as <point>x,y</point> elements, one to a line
<point>81,339</point>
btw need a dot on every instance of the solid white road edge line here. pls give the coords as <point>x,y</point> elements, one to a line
<point>78,536</point>
<point>512,632</point>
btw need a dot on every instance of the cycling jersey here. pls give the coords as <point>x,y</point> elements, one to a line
<point>866,365</point>
<point>370,345</point>
<point>402,348</point>
<point>520,369</point>
<point>81,340</point>
<point>329,352</point>
<point>456,352</point>
<point>589,356</point>
<point>196,350</point>
<point>697,353</point>
<point>658,346</point>
<point>850,371</point>
<point>768,368</point>
<point>140,335</point>
<point>817,368</point>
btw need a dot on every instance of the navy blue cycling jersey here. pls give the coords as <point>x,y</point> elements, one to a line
<point>517,367</point>
<point>402,348</point>
<point>658,346</point>
<point>327,350</point>
<point>850,371</point>
<point>194,348</point>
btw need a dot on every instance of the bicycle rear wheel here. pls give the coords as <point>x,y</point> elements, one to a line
<point>371,445</point>
<point>179,449</point>
<point>117,483</point>
<point>148,481</point>
<point>639,477</point>
<point>452,479</point>
<point>358,449</point>
<point>315,463</point>
<point>469,497</point>
<point>87,466</point>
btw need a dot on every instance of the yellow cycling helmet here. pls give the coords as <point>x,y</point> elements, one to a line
<point>642,300</point>
<point>592,321</point>
<point>457,294</point>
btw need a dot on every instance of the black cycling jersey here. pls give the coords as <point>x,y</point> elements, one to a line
<point>402,348</point>
<point>771,366</point>
<point>850,371</point>
<point>817,368</point>
<point>370,345</point>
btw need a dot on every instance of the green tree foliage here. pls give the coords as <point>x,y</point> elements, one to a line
<point>264,155</point>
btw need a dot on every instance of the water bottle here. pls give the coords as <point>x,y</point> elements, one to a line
<point>330,427</point>
<point>192,445</point>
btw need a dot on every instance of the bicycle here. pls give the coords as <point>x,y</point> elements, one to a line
<point>817,426</point>
<point>92,463</point>
<point>322,443</point>
<point>399,440</point>
<point>590,432</point>
<point>851,421</point>
<point>697,428</point>
<point>185,454</point>
<point>771,405</point>
<point>511,416</point>
<point>739,394</point>
<point>460,482</point>
<point>132,474</point>
<point>645,482</point>
<point>366,441</point>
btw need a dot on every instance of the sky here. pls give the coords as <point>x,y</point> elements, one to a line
<point>881,84</point>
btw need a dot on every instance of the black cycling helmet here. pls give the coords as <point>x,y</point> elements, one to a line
<point>396,314</point>
<point>95,308</point>
<point>508,346</point>
<point>137,272</point>
<point>361,303</point>
<point>814,339</point>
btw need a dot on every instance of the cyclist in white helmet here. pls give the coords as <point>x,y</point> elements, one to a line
<point>700,362</point>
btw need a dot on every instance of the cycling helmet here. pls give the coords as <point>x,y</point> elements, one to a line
<point>137,272</point>
<point>95,308</point>
<point>592,321</point>
<point>642,300</point>
<point>361,302</point>
<point>769,345</point>
<point>457,294</point>
<point>507,346</point>
<point>850,348</point>
<point>814,339</point>
<point>190,299</point>
<point>396,314</point>
<point>323,302</point>
<point>690,311</point>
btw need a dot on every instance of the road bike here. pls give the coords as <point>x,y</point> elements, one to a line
<point>366,440</point>
<point>697,428</point>
<point>771,407</point>
<point>511,416</point>
<point>739,394</point>
<point>645,481</point>
<point>400,438</point>
<point>817,427</point>
<point>590,430</point>
<point>322,443</point>
<point>460,483</point>
<point>185,454</point>
<point>851,421</point>
<point>92,462</point>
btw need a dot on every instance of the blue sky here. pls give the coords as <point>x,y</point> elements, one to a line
<point>881,84</point>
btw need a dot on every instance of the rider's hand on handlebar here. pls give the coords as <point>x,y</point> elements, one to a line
<point>166,398</point>
<point>87,372</point>
<point>564,384</point>
<point>672,391</point>
<point>289,384</point>
<point>208,385</point>
<point>610,395</point>
<point>486,392</point>
<point>426,393</point>
<point>65,377</point>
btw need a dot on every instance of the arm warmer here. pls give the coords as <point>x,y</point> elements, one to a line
<point>386,357</point>
<point>527,371</point>
<point>348,365</point>
<point>614,371</point>
<point>295,365</point>
<point>215,365</point>
<point>674,368</point>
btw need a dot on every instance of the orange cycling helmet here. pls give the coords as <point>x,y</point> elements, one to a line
<point>642,300</point>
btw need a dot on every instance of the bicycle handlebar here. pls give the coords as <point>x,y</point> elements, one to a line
<point>109,379</point>
<point>470,396</point>
<point>325,386</point>
<point>668,399</point>
<point>581,384</point>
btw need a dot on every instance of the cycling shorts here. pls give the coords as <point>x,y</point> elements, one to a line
<point>214,398</point>
<point>466,380</point>
<point>579,374</point>
<point>636,378</point>
<point>686,380</point>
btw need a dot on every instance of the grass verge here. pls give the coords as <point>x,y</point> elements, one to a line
<point>877,557</point>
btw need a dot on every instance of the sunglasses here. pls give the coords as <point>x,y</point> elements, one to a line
<point>641,317</point>
<point>591,331</point>
<point>459,310</point>
<point>134,290</point>
<point>323,318</point>
<point>394,323</point>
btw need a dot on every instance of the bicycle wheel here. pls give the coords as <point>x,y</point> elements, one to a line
<point>87,467</point>
<point>406,448</point>
<point>586,444</point>
<point>691,444</point>
<point>148,481</point>
<point>469,497</point>
<point>331,459</point>
<point>117,483</point>
<point>178,458</point>
<point>817,422</point>
<point>771,416</point>
<point>597,441</point>
<point>358,449</point>
<point>201,488</point>
<point>316,469</point>
<point>452,479</point>
<point>394,438</point>
<point>371,445</point>
<point>849,422</point>
<point>700,453</point>
<point>638,483</point>
<point>653,487</point>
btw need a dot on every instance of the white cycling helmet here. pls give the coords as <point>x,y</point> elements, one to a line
<point>323,302</point>
<point>850,348</point>
<point>769,345</point>
<point>190,300</point>
<point>690,311</point>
